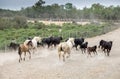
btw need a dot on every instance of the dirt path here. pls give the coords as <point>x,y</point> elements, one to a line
<point>45,64</point>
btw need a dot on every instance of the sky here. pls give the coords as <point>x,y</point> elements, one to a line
<point>18,4</point>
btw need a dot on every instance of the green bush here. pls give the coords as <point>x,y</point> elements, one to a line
<point>68,30</point>
<point>20,22</point>
<point>16,22</point>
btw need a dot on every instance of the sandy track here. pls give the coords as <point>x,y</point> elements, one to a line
<point>45,64</point>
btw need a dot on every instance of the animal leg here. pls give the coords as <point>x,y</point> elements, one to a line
<point>59,56</point>
<point>24,56</point>
<point>68,54</point>
<point>76,47</point>
<point>33,50</point>
<point>20,58</point>
<point>85,50</point>
<point>104,51</point>
<point>89,54</point>
<point>82,50</point>
<point>96,52</point>
<point>108,51</point>
<point>108,54</point>
<point>30,55</point>
<point>63,57</point>
<point>48,45</point>
<point>55,45</point>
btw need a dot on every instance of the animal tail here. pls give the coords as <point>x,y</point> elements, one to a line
<point>61,48</point>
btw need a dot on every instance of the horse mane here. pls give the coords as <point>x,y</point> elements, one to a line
<point>27,42</point>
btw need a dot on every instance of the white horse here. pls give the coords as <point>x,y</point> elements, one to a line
<point>35,40</point>
<point>65,48</point>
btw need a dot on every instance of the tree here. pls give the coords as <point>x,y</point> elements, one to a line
<point>39,4</point>
<point>68,6</point>
<point>97,10</point>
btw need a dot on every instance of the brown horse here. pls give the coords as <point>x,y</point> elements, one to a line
<point>92,49</point>
<point>23,48</point>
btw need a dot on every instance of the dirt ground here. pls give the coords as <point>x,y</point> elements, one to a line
<point>46,65</point>
<point>58,22</point>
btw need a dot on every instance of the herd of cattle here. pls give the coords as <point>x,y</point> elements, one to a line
<point>64,47</point>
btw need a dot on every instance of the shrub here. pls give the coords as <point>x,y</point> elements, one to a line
<point>20,22</point>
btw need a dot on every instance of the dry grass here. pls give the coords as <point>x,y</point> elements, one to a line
<point>58,22</point>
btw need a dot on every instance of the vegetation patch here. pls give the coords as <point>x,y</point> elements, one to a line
<point>40,29</point>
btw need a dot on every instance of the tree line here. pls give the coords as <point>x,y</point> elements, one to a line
<point>67,11</point>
